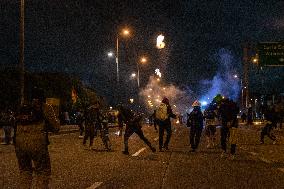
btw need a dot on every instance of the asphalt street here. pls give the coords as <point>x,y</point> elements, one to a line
<point>76,166</point>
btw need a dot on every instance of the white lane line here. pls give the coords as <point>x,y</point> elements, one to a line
<point>281,169</point>
<point>139,151</point>
<point>265,160</point>
<point>155,139</point>
<point>253,153</point>
<point>95,185</point>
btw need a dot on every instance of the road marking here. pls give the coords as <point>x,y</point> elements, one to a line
<point>281,169</point>
<point>95,185</point>
<point>265,160</point>
<point>155,139</point>
<point>253,153</point>
<point>139,151</point>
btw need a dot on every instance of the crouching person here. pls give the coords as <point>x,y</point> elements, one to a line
<point>33,122</point>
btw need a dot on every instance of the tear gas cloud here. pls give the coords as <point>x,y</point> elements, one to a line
<point>225,82</point>
<point>156,90</point>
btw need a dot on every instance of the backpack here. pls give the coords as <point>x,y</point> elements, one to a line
<point>162,112</point>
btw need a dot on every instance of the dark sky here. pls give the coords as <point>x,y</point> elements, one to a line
<point>74,36</point>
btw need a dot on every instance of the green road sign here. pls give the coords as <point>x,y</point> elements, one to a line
<point>271,53</point>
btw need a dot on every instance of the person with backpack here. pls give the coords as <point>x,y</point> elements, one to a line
<point>33,122</point>
<point>195,122</point>
<point>228,112</point>
<point>164,114</point>
<point>133,125</point>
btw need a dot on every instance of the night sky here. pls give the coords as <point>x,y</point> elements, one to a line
<point>74,36</point>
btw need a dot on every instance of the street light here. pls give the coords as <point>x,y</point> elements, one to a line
<point>125,32</point>
<point>142,60</point>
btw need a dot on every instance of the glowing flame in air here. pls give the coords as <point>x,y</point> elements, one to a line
<point>158,73</point>
<point>160,43</point>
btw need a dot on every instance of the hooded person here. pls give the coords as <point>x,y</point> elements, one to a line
<point>164,114</point>
<point>31,140</point>
<point>195,122</point>
<point>132,120</point>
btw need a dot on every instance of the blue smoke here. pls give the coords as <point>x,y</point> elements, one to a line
<point>226,80</point>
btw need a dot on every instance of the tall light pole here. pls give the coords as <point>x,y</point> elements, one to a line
<point>22,45</point>
<point>142,60</point>
<point>125,32</point>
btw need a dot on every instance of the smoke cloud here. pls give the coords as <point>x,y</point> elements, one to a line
<point>226,80</point>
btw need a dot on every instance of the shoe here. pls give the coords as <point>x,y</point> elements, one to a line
<point>208,146</point>
<point>4,143</point>
<point>274,142</point>
<point>192,150</point>
<point>81,136</point>
<point>261,143</point>
<point>125,152</point>
<point>153,149</point>
<point>161,150</point>
<point>166,148</point>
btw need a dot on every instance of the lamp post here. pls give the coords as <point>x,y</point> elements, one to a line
<point>142,60</point>
<point>21,59</point>
<point>124,32</point>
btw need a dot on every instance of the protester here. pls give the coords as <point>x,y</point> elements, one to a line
<point>133,125</point>
<point>195,122</point>
<point>228,111</point>
<point>271,118</point>
<point>211,121</point>
<point>80,122</point>
<point>7,120</point>
<point>163,118</point>
<point>31,140</point>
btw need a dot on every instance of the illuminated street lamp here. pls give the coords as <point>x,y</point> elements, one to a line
<point>125,33</point>
<point>143,60</point>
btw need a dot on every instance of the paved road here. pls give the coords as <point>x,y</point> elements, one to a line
<point>73,166</point>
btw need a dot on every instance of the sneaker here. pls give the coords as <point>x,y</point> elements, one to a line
<point>4,143</point>
<point>166,147</point>
<point>274,142</point>
<point>125,152</point>
<point>81,136</point>
<point>261,142</point>
<point>208,146</point>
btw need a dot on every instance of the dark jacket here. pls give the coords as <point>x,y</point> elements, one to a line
<point>195,118</point>
<point>34,136</point>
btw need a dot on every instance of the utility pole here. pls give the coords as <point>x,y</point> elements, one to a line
<point>22,52</point>
<point>245,76</point>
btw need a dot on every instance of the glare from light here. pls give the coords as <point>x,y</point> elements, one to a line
<point>110,54</point>
<point>204,103</point>
<point>143,60</point>
<point>131,100</point>
<point>133,75</point>
<point>126,32</point>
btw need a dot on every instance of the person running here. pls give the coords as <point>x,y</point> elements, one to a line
<point>195,122</point>
<point>163,118</point>
<point>133,125</point>
<point>270,116</point>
